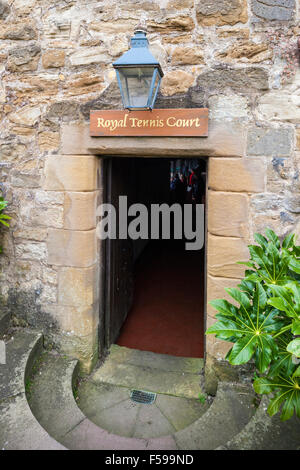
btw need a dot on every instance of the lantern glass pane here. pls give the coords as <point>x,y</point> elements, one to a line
<point>154,90</point>
<point>136,85</point>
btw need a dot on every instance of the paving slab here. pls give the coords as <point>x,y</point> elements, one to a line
<point>162,443</point>
<point>119,419</point>
<point>152,423</point>
<point>19,430</point>
<point>19,349</point>
<point>181,412</point>
<point>92,398</point>
<point>88,436</point>
<point>267,433</point>
<point>53,410</point>
<point>231,410</point>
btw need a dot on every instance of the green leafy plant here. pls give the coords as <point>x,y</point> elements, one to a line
<point>3,217</point>
<point>202,398</point>
<point>264,322</point>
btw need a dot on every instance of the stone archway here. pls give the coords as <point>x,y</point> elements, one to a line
<point>76,252</point>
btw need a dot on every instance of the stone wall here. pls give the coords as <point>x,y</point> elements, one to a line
<point>55,65</point>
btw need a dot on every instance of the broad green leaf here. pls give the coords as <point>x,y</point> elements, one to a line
<point>261,240</point>
<point>259,299</point>
<point>226,328</point>
<point>272,236</point>
<point>243,350</point>
<point>263,385</point>
<point>288,242</point>
<point>279,303</point>
<point>224,307</point>
<point>294,347</point>
<point>288,406</point>
<point>297,372</point>
<point>294,265</point>
<point>240,297</point>
<point>247,263</point>
<point>296,327</point>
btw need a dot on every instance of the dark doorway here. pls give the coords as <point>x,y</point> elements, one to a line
<point>155,288</point>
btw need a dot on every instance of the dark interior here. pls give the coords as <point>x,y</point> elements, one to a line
<point>155,288</point>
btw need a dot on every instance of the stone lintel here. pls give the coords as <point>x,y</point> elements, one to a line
<point>224,140</point>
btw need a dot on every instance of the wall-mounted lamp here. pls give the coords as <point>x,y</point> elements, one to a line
<point>139,74</point>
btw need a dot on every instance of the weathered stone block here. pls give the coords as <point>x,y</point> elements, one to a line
<point>176,82</point>
<point>270,142</point>
<point>65,110</point>
<point>281,223</point>
<point>90,55</point>
<point>26,116</point>
<point>48,141</point>
<point>246,51</point>
<point>82,321</point>
<point>216,290</point>
<point>113,27</point>
<point>33,88</point>
<point>178,39</point>
<point>187,56</point>
<point>238,175</point>
<point>46,216</point>
<point>228,214</point>
<point>81,346</point>
<point>273,10</point>
<point>84,82</point>
<point>279,106</point>
<point>78,286</point>
<point>49,197</point>
<point>179,4</point>
<point>53,59</point>
<point>31,251</point>
<point>80,210</point>
<point>30,233</point>
<point>4,9</point>
<point>211,13</point>
<point>228,107</point>
<point>266,202</point>
<point>24,59</point>
<point>71,173</point>
<point>179,23</point>
<point>223,254</point>
<point>71,248</point>
<point>241,80</point>
<point>216,371</point>
<point>18,31</point>
<point>278,174</point>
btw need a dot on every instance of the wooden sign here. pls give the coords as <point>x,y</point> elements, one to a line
<point>191,122</point>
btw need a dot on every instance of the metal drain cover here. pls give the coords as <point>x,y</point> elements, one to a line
<point>140,396</point>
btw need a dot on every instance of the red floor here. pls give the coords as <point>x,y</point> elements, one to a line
<point>167,314</point>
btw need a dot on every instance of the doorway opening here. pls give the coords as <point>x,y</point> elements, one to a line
<point>155,289</point>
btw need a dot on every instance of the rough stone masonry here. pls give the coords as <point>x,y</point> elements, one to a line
<point>55,65</point>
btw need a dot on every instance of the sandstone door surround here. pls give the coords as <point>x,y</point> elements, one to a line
<point>233,178</point>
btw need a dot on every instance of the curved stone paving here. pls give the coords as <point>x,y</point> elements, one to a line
<point>54,421</point>
<point>110,407</point>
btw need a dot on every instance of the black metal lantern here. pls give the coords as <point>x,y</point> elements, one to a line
<point>139,74</point>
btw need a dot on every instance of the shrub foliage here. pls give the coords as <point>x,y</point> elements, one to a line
<point>264,321</point>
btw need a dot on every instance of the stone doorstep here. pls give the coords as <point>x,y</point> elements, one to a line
<point>153,372</point>
<point>122,354</point>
